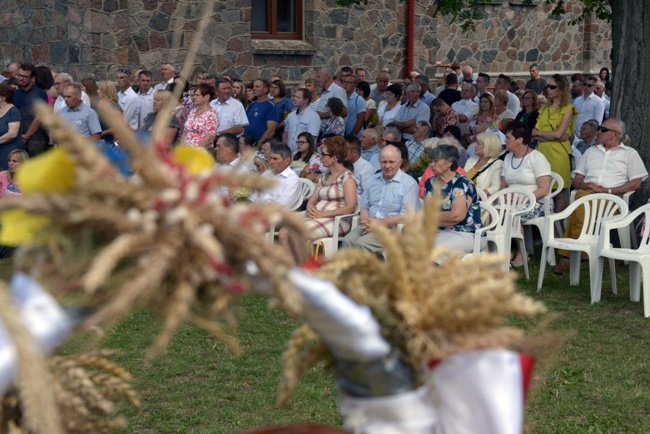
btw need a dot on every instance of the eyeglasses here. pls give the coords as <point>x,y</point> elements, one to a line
<point>392,142</point>
<point>349,82</point>
<point>325,154</point>
<point>603,129</point>
<point>124,71</point>
<point>60,83</point>
<point>590,85</point>
<point>552,86</point>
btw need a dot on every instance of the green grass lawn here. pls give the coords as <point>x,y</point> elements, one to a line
<point>600,383</point>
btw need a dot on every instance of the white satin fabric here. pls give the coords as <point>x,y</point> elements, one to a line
<point>43,317</point>
<point>479,392</point>
<point>348,329</point>
<point>407,413</point>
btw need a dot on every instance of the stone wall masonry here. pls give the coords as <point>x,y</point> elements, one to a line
<point>95,37</point>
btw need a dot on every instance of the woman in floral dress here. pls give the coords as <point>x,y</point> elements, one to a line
<point>203,121</point>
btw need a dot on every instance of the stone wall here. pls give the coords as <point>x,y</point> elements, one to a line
<point>95,37</point>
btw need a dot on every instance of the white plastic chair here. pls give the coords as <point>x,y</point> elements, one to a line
<point>547,204</point>
<point>331,244</point>
<point>626,236</point>
<point>598,209</point>
<point>490,219</point>
<point>639,259</point>
<point>307,188</point>
<point>510,203</point>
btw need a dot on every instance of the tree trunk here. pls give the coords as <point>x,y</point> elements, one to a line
<point>631,71</point>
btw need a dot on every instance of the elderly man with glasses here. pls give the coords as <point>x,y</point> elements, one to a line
<point>611,166</point>
<point>63,80</point>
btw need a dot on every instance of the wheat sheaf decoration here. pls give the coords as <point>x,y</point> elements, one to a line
<point>427,312</point>
<point>110,244</point>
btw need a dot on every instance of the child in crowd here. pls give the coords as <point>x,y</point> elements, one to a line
<point>8,177</point>
<point>261,163</point>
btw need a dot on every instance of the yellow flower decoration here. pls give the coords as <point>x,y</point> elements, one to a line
<point>20,227</point>
<point>196,160</point>
<point>50,172</point>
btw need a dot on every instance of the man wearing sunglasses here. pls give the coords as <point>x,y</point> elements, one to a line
<point>589,105</point>
<point>609,167</point>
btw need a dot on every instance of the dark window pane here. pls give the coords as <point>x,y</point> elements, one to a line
<point>287,15</point>
<point>259,12</point>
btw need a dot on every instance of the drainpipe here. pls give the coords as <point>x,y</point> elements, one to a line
<point>410,36</point>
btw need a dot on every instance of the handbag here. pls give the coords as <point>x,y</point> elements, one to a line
<point>316,259</point>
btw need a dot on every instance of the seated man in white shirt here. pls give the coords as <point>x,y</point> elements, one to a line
<point>363,170</point>
<point>228,162</point>
<point>609,167</point>
<point>287,186</point>
<point>466,108</point>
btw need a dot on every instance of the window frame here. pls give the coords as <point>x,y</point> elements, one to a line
<point>272,23</point>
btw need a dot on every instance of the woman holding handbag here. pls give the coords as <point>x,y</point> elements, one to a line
<point>485,170</point>
<point>554,123</point>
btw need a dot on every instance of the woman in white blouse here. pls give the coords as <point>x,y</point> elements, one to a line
<point>389,107</point>
<point>485,169</point>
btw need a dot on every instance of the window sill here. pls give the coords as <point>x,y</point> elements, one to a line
<point>278,47</point>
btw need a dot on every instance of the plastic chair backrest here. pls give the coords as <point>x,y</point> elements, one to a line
<point>511,203</point>
<point>307,187</point>
<point>598,207</point>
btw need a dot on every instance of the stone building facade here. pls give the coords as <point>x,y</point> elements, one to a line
<point>95,37</point>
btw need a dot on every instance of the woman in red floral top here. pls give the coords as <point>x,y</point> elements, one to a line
<point>203,121</point>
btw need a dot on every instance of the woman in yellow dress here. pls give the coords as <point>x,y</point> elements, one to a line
<point>554,124</point>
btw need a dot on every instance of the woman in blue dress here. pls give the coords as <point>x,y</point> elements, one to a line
<point>10,134</point>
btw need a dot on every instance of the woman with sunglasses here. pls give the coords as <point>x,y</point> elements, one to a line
<point>554,123</point>
<point>203,121</point>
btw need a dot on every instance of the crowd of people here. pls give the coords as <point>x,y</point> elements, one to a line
<point>378,146</point>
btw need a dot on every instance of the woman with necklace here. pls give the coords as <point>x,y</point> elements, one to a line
<point>526,168</point>
<point>335,194</point>
<point>461,212</point>
<point>485,170</point>
<point>554,123</point>
<point>203,121</point>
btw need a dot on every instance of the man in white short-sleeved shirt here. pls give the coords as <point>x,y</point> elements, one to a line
<point>609,167</point>
<point>232,116</point>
